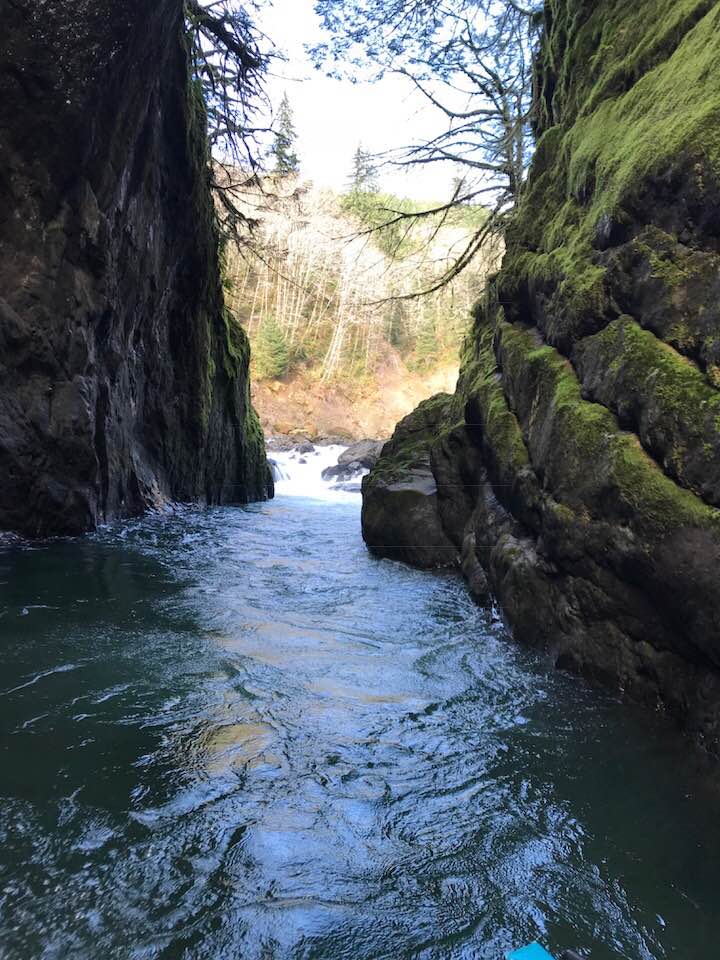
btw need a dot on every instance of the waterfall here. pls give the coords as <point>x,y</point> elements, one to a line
<point>299,474</point>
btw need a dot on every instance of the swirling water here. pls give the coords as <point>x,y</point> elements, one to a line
<point>231,733</point>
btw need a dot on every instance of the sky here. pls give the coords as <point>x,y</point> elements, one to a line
<point>332,116</point>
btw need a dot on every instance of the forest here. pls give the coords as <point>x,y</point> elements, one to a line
<point>322,286</point>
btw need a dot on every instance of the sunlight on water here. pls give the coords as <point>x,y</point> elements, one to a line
<point>232,733</point>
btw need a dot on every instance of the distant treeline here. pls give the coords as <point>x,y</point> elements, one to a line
<point>322,282</point>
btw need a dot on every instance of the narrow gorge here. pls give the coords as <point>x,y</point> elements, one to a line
<point>275,686</point>
<point>575,474</point>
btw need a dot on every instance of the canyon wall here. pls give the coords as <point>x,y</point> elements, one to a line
<point>575,474</point>
<point>123,379</point>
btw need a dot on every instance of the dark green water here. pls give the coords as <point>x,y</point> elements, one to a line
<point>233,734</point>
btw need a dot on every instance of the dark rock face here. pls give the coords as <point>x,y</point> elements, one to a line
<point>578,466</point>
<point>400,518</point>
<point>123,380</point>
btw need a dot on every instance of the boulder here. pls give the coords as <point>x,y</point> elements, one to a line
<point>400,516</point>
<point>400,520</point>
<point>348,487</point>
<point>343,472</point>
<point>364,452</point>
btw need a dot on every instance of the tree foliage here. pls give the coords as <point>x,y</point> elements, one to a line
<point>373,210</point>
<point>426,349</point>
<point>271,356</point>
<point>286,159</point>
<point>471,60</point>
<point>337,296</point>
<point>363,177</point>
<point>229,68</point>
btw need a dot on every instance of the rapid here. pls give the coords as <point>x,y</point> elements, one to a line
<point>233,733</point>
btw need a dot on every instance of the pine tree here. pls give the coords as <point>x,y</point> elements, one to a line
<point>270,352</point>
<point>426,346</point>
<point>363,178</point>
<point>286,160</point>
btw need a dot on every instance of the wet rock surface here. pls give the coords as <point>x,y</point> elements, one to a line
<point>400,516</point>
<point>577,468</point>
<point>354,462</point>
<point>123,381</point>
<point>364,452</point>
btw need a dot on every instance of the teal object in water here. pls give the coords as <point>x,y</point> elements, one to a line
<point>532,952</point>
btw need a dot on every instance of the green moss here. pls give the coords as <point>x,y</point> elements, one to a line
<point>231,347</point>
<point>653,370</point>
<point>592,57</point>
<point>487,410</point>
<point>651,102</point>
<point>410,445</point>
<point>654,498</point>
<point>634,92</point>
<point>625,55</point>
<point>236,346</point>
<point>676,411</point>
<point>589,461</point>
<point>672,112</point>
<point>667,269</point>
<point>208,391</point>
<point>222,350</point>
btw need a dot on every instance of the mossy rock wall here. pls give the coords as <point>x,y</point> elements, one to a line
<point>590,382</point>
<point>123,380</point>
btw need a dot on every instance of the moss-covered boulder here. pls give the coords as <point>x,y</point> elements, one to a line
<point>589,401</point>
<point>400,517</point>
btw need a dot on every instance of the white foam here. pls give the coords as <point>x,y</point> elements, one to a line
<point>305,479</point>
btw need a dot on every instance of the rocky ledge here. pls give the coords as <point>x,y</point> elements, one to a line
<point>575,474</point>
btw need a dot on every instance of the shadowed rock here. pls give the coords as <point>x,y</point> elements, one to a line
<point>364,452</point>
<point>353,462</point>
<point>400,518</point>
<point>123,379</point>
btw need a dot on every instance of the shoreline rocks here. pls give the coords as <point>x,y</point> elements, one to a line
<point>354,462</point>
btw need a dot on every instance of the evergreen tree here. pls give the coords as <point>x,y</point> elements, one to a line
<point>426,347</point>
<point>396,320</point>
<point>363,178</point>
<point>270,351</point>
<point>286,160</point>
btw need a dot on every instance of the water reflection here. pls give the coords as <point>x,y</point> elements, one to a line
<point>232,733</point>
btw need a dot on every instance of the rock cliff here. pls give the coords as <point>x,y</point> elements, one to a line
<point>577,469</point>
<point>123,379</point>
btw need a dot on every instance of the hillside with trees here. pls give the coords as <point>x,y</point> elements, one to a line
<point>326,291</point>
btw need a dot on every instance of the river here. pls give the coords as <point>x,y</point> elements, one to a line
<point>232,733</point>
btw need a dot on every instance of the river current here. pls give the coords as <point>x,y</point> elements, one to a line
<point>232,733</point>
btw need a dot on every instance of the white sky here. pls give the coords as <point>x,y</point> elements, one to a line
<point>333,116</point>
